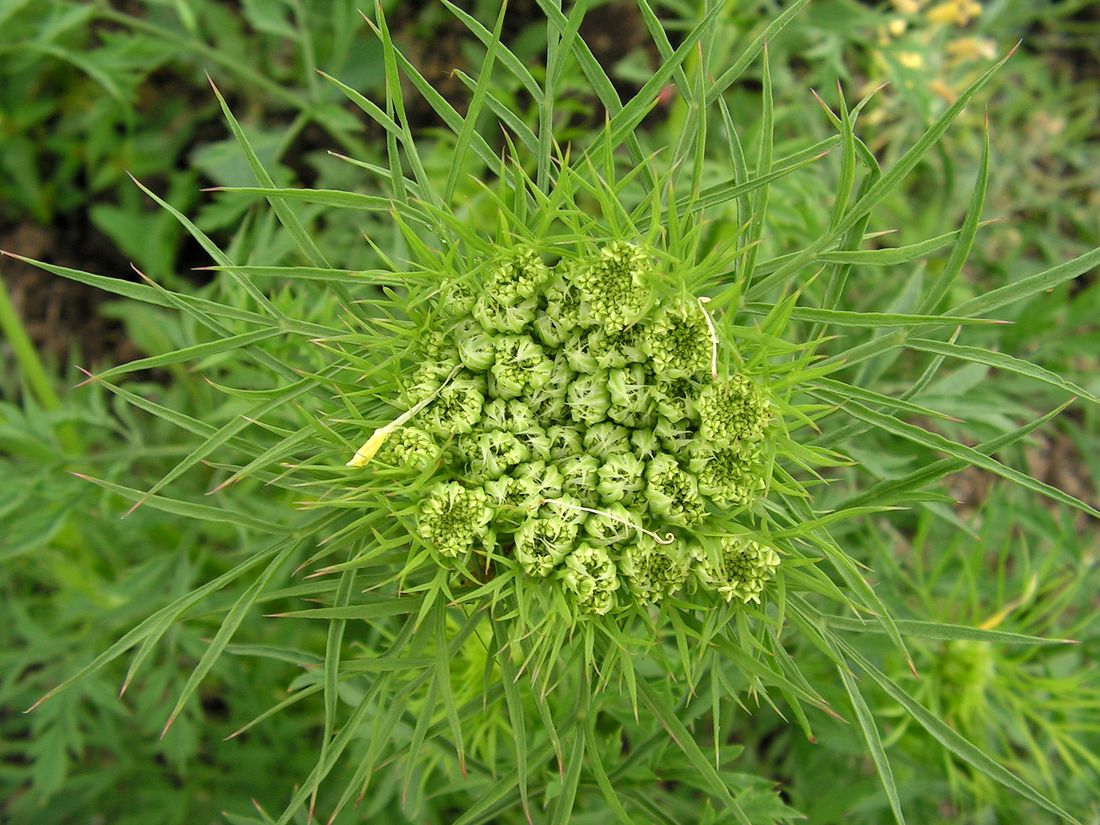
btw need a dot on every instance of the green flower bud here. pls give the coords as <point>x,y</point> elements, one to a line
<point>428,377</point>
<point>645,444</point>
<point>655,571</point>
<point>548,401</point>
<point>511,415</point>
<point>588,399</point>
<point>606,439</point>
<point>630,396</point>
<point>616,527</point>
<point>539,480</point>
<point>495,452</point>
<point>729,476</point>
<point>457,297</point>
<point>542,543</point>
<point>408,447</point>
<point>561,315</point>
<point>679,344</point>
<point>564,441</point>
<point>579,355</point>
<point>452,518</point>
<point>742,569</point>
<point>520,365</point>
<point>614,285</point>
<point>580,475</point>
<point>671,493</point>
<point>732,412</point>
<point>456,409</point>
<point>498,317</point>
<point>675,399</point>
<point>475,346</point>
<point>620,475</point>
<point>675,438</point>
<point>591,578</point>
<point>517,277</point>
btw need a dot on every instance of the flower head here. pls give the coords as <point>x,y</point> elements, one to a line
<point>742,570</point>
<point>654,570</point>
<point>590,575</point>
<point>671,493</point>
<point>408,447</point>
<point>679,342</point>
<point>452,518</point>
<point>457,407</point>
<point>620,477</point>
<point>475,346</point>
<point>729,475</point>
<point>517,276</point>
<point>733,412</point>
<point>614,285</point>
<point>521,365</point>
<point>543,542</point>
<point>491,453</point>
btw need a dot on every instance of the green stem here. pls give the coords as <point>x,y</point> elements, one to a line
<point>38,380</point>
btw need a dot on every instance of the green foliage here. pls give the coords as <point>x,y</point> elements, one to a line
<point>573,341</point>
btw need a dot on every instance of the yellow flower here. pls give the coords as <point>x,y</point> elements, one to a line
<point>907,6</point>
<point>954,12</point>
<point>968,49</point>
<point>910,60</point>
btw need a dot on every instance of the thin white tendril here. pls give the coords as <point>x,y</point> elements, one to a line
<point>365,453</point>
<point>703,301</point>
<point>669,538</point>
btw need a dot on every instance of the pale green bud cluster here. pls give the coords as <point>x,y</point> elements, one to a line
<point>591,576</point>
<point>733,412</point>
<point>452,518</point>
<point>409,447</point>
<point>654,570</point>
<point>742,570</point>
<point>581,429</point>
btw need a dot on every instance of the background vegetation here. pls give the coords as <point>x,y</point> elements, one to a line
<point>92,91</point>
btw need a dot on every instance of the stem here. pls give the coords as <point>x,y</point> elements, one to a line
<point>713,338</point>
<point>37,378</point>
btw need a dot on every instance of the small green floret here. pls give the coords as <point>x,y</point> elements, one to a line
<point>733,412</point>
<point>517,277</point>
<point>671,493</point>
<point>620,477</point>
<point>654,570</point>
<point>475,346</point>
<point>731,475</point>
<point>742,571</point>
<point>408,447</point>
<point>591,577</point>
<point>492,453</point>
<point>679,343</point>
<point>614,286</point>
<point>453,518</point>
<point>520,366</point>
<point>457,408</point>
<point>542,544</point>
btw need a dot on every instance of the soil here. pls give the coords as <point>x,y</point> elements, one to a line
<point>62,316</point>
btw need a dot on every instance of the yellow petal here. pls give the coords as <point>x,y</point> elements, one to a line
<point>365,453</point>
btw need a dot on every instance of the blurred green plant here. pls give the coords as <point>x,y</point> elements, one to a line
<point>421,698</point>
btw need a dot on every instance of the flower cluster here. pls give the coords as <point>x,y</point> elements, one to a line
<point>581,430</point>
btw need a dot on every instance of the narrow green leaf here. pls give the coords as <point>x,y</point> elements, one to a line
<point>1001,361</point>
<point>874,743</point>
<point>226,631</point>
